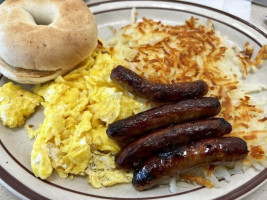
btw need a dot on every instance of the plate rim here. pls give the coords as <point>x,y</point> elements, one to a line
<point>252,184</point>
<point>27,192</point>
<point>188,3</point>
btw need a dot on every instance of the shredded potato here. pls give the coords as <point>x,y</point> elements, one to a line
<point>193,51</point>
<point>197,179</point>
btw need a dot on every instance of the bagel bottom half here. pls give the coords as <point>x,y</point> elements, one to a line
<point>28,76</point>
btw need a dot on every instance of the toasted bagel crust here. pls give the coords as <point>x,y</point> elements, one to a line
<point>28,76</point>
<point>46,35</point>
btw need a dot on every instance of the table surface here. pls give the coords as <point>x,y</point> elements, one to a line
<point>258,14</point>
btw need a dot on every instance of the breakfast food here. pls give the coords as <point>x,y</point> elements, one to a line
<point>164,115</point>
<point>134,83</point>
<point>17,104</point>
<point>72,139</point>
<point>78,107</point>
<point>204,152</point>
<point>149,170</point>
<point>42,39</point>
<point>170,138</point>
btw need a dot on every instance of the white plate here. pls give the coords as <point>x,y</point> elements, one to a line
<point>15,147</point>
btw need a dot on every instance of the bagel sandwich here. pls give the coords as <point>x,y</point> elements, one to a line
<point>42,39</point>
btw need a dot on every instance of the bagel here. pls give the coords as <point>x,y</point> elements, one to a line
<point>41,39</point>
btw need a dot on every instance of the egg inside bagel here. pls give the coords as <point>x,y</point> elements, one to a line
<point>41,39</point>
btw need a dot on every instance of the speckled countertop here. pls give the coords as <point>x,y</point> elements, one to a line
<point>258,14</point>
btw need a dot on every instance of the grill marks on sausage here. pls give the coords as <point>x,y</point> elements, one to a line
<point>161,116</point>
<point>134,83</point>
<point>170,137</point>
<point>186,142</point>
<point>204,152</point>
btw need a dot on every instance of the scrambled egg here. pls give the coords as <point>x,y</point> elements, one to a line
<point>16,104</point>
<point>102,171</point>
<point>78,107</point>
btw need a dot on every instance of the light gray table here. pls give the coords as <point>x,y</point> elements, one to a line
<point>257,16</point>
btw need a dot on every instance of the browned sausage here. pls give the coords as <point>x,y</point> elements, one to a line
<point>164,115</point>
<point>170,137</point>
<point>204,152</point>
<point>134,83</point>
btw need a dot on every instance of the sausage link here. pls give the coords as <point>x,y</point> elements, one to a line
<point>164,115</point>
<point>134,83</point>
<point>170,137</point>
<point>204,152</point>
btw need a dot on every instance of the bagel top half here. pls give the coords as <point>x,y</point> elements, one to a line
<point>41,39</point>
